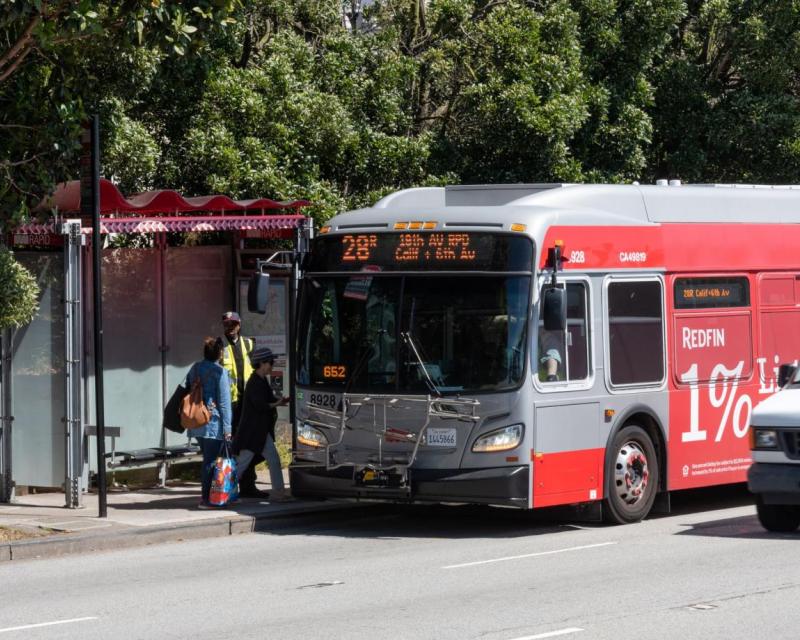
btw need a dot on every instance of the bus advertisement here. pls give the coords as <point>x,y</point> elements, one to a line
<point>542,345</point>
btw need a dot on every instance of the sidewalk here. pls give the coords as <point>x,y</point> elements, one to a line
<point>137,518</point>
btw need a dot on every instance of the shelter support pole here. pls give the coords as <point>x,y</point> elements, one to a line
<point>6,417</point>
<point>73,423</point>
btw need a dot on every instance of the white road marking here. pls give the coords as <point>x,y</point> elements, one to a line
<point>529,555</point>
<point>46,624</point>
<point>552,634</point>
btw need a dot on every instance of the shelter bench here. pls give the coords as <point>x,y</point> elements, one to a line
<point>163,457</point>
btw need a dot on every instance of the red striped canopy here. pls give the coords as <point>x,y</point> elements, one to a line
<point>166,210</point>
<point>67,199</point>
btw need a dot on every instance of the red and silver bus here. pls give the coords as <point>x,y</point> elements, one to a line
<point>545,344</point>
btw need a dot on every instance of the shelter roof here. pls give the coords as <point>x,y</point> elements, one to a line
<point>167,210</point>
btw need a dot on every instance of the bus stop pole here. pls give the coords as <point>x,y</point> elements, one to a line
<point>97,307</point>
<point>290,356</point>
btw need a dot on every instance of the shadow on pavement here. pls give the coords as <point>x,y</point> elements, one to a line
<point>743,527</point>
<point>397,521</point>
<point>709,499</point>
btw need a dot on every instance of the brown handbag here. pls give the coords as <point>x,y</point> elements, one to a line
<point>194,412</point>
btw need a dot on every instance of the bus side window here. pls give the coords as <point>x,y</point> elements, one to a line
<point>564,356</point>
<point>635,332</point>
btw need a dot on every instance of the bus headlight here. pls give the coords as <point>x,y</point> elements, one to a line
<point>764,439</point>
<point>308,435</point>
<point>499,439</point>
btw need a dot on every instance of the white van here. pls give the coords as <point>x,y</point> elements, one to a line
<point>774,476</point>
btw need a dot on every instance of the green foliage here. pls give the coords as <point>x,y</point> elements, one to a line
<point>18,292</point>
<point>62,60</point>
<point>726,104</point>
<point>287,99</point>
<point>522,99</point>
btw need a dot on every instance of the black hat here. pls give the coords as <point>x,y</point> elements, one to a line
<point>264,354</point>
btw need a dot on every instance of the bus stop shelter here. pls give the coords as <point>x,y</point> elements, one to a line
<point>161,296</point>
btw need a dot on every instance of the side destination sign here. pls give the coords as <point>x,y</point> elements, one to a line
<point>697,293</point>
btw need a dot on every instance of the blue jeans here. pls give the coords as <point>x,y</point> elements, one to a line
<point>270,454</point>
<point>211,449</point>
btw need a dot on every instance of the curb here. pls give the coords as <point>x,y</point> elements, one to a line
<point>129,538</point>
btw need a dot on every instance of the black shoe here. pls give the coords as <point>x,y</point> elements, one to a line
<point>253,492</point>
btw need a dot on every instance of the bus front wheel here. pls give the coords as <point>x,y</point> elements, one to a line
<point>781,518</point>
<point>631,476</point>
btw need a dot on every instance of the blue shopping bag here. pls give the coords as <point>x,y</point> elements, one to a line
<point>224,482</point>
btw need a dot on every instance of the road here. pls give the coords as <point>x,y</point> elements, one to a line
<point>707,570</point>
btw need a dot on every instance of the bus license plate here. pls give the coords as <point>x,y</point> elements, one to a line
<point>441,437</point>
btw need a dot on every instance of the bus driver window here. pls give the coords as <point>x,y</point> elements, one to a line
<point>551,346</point>
<point>564,355</point>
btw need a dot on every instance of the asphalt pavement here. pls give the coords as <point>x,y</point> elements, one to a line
<point>707,570</point>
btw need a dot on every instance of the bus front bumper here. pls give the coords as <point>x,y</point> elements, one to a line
<point>506,486</point>
<point>775,483</point>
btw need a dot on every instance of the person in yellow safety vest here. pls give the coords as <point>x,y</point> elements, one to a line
<point>236,361</point>
<point>236,357</point>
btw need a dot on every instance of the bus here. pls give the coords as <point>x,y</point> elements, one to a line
<point>534,345</point>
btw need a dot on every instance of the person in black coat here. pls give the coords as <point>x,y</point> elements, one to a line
<point>256,432</point>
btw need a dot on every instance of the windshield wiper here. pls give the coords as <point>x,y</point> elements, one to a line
<point>406,336</point>
<point>362,361</point>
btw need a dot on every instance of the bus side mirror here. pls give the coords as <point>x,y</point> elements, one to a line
<point>258,293</point>
<point>555,309</point>
<point>785,373</point>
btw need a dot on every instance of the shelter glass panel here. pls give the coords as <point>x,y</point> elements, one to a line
<point>132,378</point>
<point>37,370</point>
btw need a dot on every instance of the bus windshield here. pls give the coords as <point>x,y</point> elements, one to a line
<point>408,333</point>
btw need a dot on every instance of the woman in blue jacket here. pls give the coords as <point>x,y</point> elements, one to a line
<point>217,396</point>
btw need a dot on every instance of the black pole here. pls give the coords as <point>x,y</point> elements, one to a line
<point>292,360</point>
<point>97,251</point>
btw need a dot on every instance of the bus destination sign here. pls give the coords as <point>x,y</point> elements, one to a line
<point>413,251</point>
<point>697,293</point>
<point>414,247</point>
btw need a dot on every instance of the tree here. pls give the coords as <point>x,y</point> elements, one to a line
<point>726,104</point>
<point>56,62</point>
<point>340,102</point>
<point>50,53</point>
<point>18,292</point>
<point>511,94</point>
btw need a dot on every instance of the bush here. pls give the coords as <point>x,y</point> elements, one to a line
<point>18,292</point>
